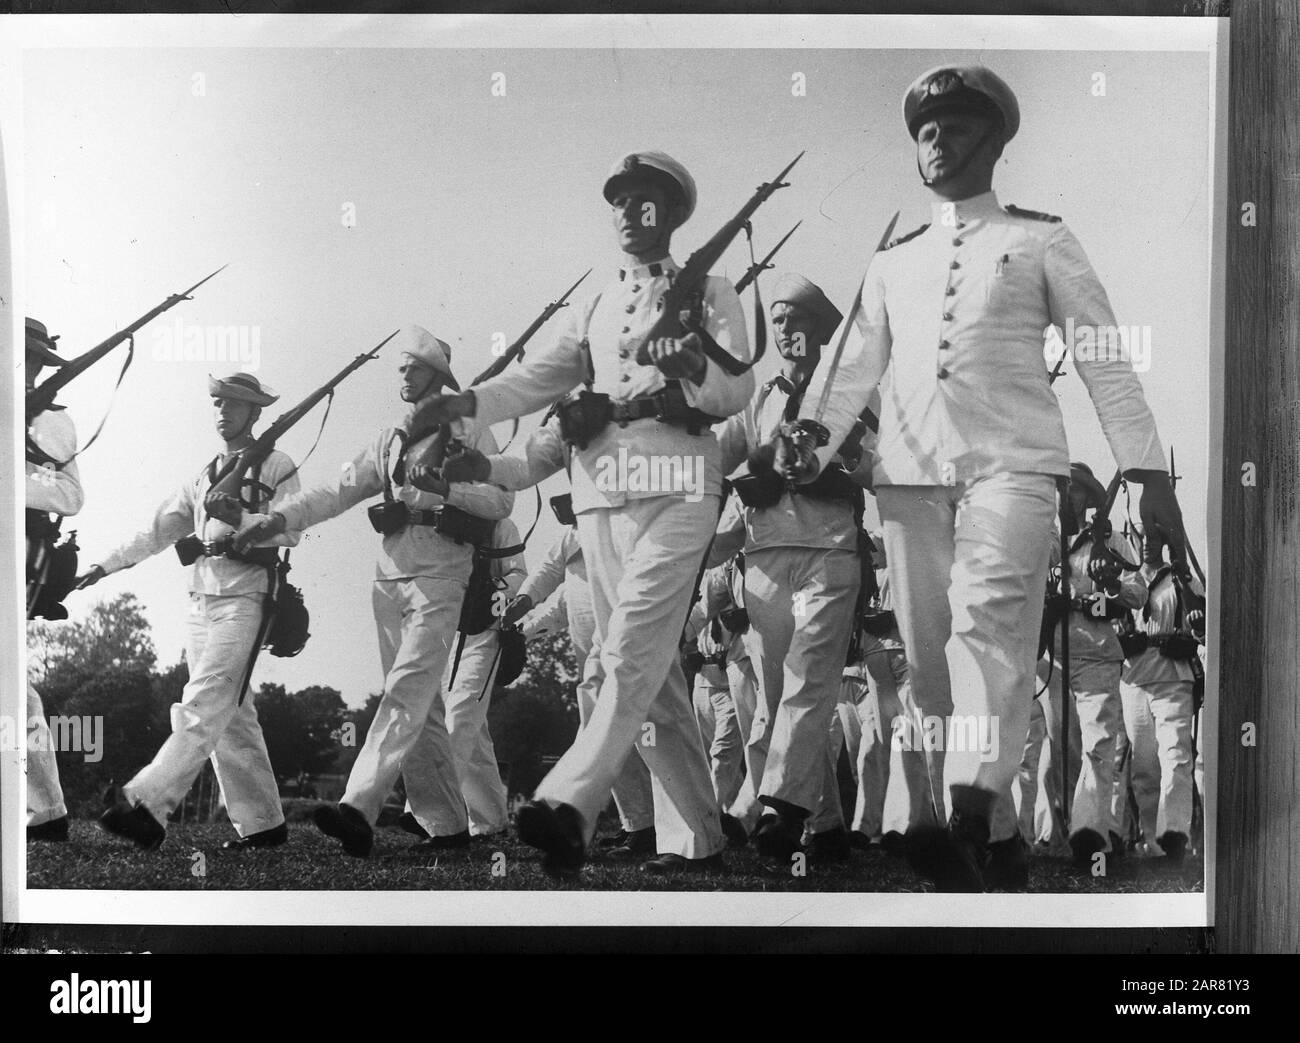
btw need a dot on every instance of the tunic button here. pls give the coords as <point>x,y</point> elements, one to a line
<point>947,316</point>
<point>954,266</point>
<point>944,345</point>
<point>627,329</point>
<point>625,378</point>
<point>623,353</point>
<point>957,241</point>
<point>635,288</point>
<point>942,374</point>
<point>630,308</point>
<point>951,290</point>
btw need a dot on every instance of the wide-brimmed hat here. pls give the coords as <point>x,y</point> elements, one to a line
<point>41,344</point>
<point>792,288</point>
<point>423,346</point>
<point>242,386</point>
<point>656,167</point>
<point>1082,476</point>
<point>971,89</point>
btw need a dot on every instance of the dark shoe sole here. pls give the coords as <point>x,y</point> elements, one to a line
<point>122,821</point>
<point>55,831</point>
<point>952,866</point>
<point>540,826</point>
<point>273,837</point>
<point>330,821</point>
<point>664,866</point>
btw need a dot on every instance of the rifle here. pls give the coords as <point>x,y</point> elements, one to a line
<point>758,267</point>
<point>689,283</point>
<point>230,480</point>
<point>41,398</point>
<point>516,349</point>
<point>1191,551</point>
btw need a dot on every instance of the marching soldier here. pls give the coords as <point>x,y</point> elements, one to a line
<point>468,687</point>
<point>216,717</point>
<point>430,530</point>
<point>643,544</point>
<point>972,440</point>
<point>53,488</point>
<point>1104,585</point>
<point>1157,685</point>
<point>802,575</point>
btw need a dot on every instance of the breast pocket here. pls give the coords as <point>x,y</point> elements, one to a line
<point>1010,278</point>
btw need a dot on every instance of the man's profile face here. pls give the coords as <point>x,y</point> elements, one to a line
<point>643,215</point>
<point>233,416</point>
<point>418,379</point>
<point>945,141</point>
<point>796,331</point>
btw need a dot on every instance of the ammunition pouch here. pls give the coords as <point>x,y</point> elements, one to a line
<point>562,505</point>
<point>392,516</point>
<point>692,661</point>
<point>736,619</point>
<point>764,489</point>
<point>879,624</point>
<point>1133,644</point>
<point>1178,646</point>
<point>585,416</point>
<point>388,517</point>
<point>191,548</point>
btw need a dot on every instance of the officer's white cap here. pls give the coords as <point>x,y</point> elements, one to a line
<point>655,166</point>
<point>960,88</point>
<point>423,346</point>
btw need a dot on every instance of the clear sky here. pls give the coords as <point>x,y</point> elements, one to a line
<point>473,210</point>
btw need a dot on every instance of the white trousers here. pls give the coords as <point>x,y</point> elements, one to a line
<point>893,784</point>
<point>633,791</point>
<point>466,699</point>
<point>44,794</point>
<point>800,603</point>
<point>416,619</point>
<point>642,560</point>
<point>208,723</point>
<point>1158,722</point>
<point>720,731</point>
<point>968,564</point>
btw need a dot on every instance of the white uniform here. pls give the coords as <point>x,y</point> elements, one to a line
<point>420,581</point>
<point>802,575</point>
<point>467,697</point>
<point>226,608</point>
<point>643,546</point>
<point>1156,692</point>
<point>54,488</point>
<point>971,435</point>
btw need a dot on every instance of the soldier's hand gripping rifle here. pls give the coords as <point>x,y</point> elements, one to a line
<point>42,397</point>
<point>425,459</point>
<point>225,500</point>
<point>680,303</point>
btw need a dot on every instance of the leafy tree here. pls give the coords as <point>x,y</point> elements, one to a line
<point>114,634</point>
<point>301,728</point>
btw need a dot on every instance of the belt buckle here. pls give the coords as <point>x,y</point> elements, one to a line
<point>620,411</point>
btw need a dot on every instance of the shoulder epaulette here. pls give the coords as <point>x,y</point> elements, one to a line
<point>904,238</point>
<point>1033,215</point>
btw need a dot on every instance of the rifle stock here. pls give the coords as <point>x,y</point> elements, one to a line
<point>41,398</point>
<point>690,280</point>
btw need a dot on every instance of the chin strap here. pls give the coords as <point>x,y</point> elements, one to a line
<point>962,164</point>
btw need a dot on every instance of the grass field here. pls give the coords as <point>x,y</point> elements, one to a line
<point>191,859</point>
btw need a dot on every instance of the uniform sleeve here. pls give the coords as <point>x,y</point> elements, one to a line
<point>551,617</point>
<point>729,537</point>
<point>1075,294</point>
<point>482,499</point>
<point>733,440</point>
<point>173,520</point>
<point>358,480</point>
<point>1132,588</point>
<point>721,394</point>
<point>55,489</point>
<point>542,455</point>
<point>545,376</point>
<point>866,356</point>
<point>548,575</point>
